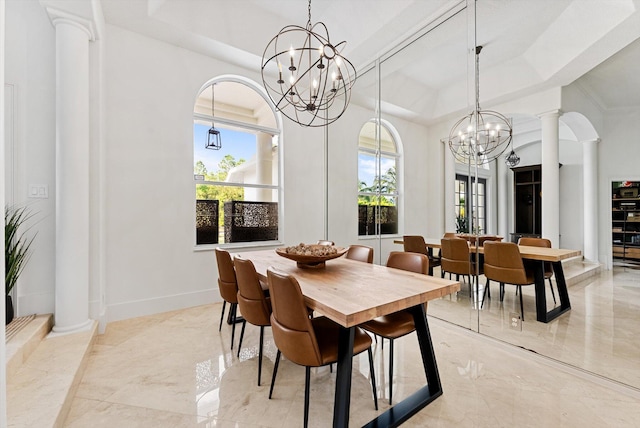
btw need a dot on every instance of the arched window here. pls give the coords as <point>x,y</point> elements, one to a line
<point>378,189</point>
<point>236,163</point>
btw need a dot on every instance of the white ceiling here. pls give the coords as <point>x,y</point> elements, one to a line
<point>529,45</point>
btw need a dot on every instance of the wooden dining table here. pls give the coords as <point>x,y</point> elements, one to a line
<point>542,254</point>
<point>351,292</point>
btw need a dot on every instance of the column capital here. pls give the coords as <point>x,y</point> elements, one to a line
<point>593,140</point>
<point>60,16</point>
<point>556,113</point>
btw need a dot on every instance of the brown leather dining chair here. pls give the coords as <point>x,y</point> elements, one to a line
<point>416,244</point>
<point>529,265</point>
<point>304,341</point>
<point>360,253</point>
<point>398,324</point>
<point>254,305</point>
<point>503,263</point>
<point>456,259</point>
<point>228,287</point>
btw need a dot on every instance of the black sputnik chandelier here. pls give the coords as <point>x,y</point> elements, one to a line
<point>306,76</point>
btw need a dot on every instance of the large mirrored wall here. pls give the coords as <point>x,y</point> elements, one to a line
<point>387,93</point>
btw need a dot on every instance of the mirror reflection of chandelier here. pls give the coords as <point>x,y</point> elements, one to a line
<point>313,83</point>
<point>482,135</point>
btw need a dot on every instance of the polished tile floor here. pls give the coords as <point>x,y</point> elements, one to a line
<point>600,334</point>
<point>176,370</point>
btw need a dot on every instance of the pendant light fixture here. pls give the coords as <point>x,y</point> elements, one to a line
<point>306,76</point>
<point>512,159</point>
<point>213,137</point>
<point>482,135</point>
<point>479,137</point>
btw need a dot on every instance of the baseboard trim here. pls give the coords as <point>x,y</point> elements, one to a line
<point>138,308</point>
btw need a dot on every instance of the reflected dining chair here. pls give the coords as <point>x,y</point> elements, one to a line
<point>456,259</point>
<point>398,324</point>
<point>228,286</point>
<point>503,263</point>
<point>361,253</point>
<point>304,341</point>
<point>254,305</point>
<point>416,244</point>
<point>529,265</point>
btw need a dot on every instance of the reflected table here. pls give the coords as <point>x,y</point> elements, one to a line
<point>553,255</point>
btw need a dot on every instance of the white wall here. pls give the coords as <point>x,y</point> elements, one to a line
<point>618,153</point>
<point>30,69</point>
<point>151,262</point>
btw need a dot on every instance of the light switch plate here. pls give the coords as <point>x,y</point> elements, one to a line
<point>39,191</point>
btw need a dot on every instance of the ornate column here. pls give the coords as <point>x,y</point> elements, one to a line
<point>550,177</point>
<point>73,34</point>
<point>590,195</point>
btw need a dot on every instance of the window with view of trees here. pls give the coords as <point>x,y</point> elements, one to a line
<point>237,189</point>
<point>377,181</point>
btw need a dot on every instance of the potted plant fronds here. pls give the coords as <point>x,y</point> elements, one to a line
<point>16,250</point>
<point>461,224</point>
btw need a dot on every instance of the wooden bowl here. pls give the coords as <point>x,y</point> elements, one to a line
<point>305,261</point>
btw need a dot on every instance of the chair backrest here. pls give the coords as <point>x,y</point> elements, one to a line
<point>503,263</point>
<point>535,242</point>
<point>292,329</point>
<point>449,235</point>
<point>412,262</point>
<point>323,242</point>
<point>414,244</point>
<point>538,242</point>
<point>227,282</point>
<point>361,253</point>
<point>455,256</point>
<point>254,305</point>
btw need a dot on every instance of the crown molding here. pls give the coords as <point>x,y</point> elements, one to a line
<point>59,16</point>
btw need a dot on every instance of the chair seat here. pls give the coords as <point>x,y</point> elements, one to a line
<point>326,333</point>
<point>391,326</point>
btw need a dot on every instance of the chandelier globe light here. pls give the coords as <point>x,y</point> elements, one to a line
<point>482,135</point>
<point>306,76</point>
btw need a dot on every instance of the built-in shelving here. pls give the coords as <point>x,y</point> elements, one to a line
<point>625,221</point>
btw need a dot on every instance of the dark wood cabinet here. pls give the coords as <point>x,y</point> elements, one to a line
<point>625,221</point>
<point>527,200</point>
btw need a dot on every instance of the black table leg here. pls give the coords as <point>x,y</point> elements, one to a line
<point>411,405</point>
<point>342,399</point>
<point>541,299</point>
<point>430,255</point>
